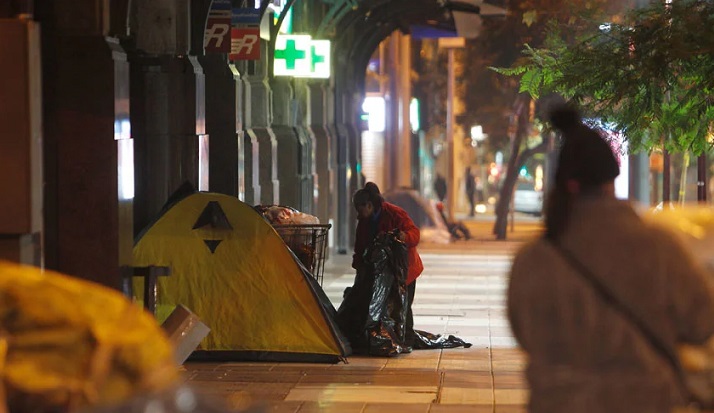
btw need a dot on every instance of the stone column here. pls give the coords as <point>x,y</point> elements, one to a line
<point>353,102</point>
<point>21,142</point>
<point>639,179</point>
<point>405,156</point>
<point>323,159</point>
<point>89,164</point>
<point>393,116</point>
<point>307,173</point>
<point>260,129</point>
<point>289,148</point>
<point>348,180</point>
<point>250,149</point>
<point>308,140</point>
<point>224,125</point>
<point>168,124</point>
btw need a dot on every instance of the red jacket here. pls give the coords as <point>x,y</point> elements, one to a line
<point>390,218</point>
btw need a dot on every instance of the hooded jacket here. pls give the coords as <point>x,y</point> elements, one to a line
<point>391,217</point>
<point>585,356</point>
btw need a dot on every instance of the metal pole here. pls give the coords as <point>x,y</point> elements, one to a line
<point>666,185</point>
<point>666,188</point>
<point>702,178</point>
<point>393,130</point>
<point>404,170</point>
<point>450,133</point>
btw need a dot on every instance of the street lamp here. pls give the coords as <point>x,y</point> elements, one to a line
<point>477,135</point>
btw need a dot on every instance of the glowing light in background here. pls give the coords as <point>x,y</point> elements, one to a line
<point>203,163</point>
<point>375,109</point>
<point>125,168</point>
<point>539,178</point>
<point>414,114</point>
<point>122,129</point>
<point>620,149</point>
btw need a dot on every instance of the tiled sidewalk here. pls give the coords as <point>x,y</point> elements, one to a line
<point>456,380</point>
<point>461,294</point>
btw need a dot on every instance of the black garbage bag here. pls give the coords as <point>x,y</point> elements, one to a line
<point>373,313</point>
<point>386,258</point>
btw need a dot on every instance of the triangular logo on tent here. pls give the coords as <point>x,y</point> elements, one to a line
<point>214,216</point>
<point>212,244</point>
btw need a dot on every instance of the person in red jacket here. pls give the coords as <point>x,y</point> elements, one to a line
<point>376,216</point>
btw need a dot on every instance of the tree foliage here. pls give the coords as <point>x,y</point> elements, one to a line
<point>652,75</point>
<point>497,102</point>
<point>491,97</point>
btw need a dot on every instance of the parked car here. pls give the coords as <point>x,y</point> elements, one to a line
<point>527,199</point>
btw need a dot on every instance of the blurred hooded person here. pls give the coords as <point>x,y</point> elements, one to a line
<point>601,299</point>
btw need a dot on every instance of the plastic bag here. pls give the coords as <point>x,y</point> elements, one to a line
<point>282,215</point>
<point>373,314</point>
<point>428,341</point>
<point>386,260</point>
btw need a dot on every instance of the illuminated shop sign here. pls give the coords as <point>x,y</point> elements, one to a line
<point>301,56</point>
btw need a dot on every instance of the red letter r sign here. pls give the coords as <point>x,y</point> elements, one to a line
<point>245,44</point>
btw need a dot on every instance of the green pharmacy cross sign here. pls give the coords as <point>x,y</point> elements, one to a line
<point>301,56</point>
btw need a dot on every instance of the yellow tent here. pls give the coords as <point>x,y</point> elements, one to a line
<point>230,267</point>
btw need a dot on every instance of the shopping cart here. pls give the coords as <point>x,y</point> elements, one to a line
<point>309,244</point>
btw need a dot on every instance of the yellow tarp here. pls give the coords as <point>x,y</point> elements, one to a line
<point>694,225</point>
<point>249,291</point>
<point>68,343</point>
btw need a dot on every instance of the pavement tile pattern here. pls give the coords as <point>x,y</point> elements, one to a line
<point>461,292</point>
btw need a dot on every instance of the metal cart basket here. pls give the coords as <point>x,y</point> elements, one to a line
<point>309,243</point>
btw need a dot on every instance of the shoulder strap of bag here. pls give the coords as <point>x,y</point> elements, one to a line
<point>614,302</point>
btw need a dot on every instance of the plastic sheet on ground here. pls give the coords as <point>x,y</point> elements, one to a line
<point>374,310</point>
<point>428,341</point>
<point>66,343</point>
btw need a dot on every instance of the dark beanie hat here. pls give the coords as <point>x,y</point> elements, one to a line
<point>585,156</point>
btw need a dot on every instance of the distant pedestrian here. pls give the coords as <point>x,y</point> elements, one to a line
<point>457,229</point>
<point>602,301</point>
<point>440,187</point>
<point>470,186</point>
<point>480,191</point>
